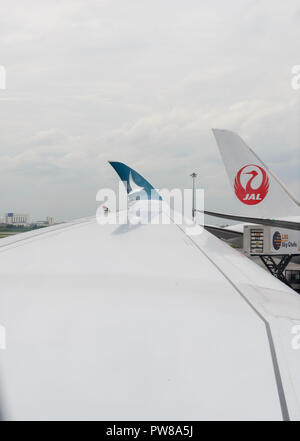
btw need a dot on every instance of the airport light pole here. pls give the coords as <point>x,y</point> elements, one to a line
<point>193,176</point>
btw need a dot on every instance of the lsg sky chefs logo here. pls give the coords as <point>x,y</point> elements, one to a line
<point>251,184</point>
<point>2,78</point>
<point>284,240</point>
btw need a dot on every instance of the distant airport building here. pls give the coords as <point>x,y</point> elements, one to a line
<point>17,219</point>
<point>50,220</point>
<point>44,223</point>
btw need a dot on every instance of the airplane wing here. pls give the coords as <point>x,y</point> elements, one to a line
<point>145,323</point>
<point>232,237</point>
<point>223,233</point>
<point>291,225</point>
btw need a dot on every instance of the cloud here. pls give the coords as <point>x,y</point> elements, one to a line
<point>142,82</point>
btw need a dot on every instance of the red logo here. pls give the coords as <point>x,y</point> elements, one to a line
<point>247,193</point>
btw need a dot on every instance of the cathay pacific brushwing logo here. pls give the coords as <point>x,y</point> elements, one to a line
<point>134,188</point>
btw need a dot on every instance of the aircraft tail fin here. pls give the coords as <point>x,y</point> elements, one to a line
<point>136,185</point>
<point>257,189</point>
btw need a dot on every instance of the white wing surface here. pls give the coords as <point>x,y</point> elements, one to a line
<point>146,323</point>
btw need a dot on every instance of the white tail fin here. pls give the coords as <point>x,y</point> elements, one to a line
<point>255,186</point>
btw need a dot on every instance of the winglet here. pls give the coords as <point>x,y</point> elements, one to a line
<point>134,182</point>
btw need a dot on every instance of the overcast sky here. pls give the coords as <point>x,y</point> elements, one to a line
<point>141,81</point>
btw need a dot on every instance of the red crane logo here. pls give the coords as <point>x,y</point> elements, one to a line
<point>248,194</point>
